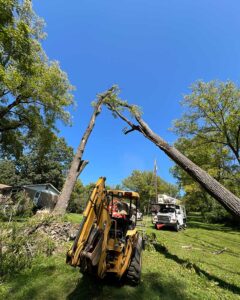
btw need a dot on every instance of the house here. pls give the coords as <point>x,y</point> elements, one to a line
<point>43,195</point>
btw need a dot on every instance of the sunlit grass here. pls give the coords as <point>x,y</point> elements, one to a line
<point>182,265</point>
<point>73,218</point>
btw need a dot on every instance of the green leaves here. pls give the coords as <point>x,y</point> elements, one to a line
<point>209,135</point>
<point>213,114</point>
<point>34,91</point>
<point>143,183</point>
<point>47,160</point>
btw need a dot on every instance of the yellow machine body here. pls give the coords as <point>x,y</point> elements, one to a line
<point>107,236</point>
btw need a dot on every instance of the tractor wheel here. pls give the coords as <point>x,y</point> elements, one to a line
<point>133,274</point>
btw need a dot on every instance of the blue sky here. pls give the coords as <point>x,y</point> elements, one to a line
<point>154,50</point>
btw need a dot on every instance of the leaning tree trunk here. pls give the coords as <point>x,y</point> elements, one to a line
<point>78,164</point>
<point>212,186</point>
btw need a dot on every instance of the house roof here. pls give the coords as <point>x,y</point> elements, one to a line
<point>3,186</point>
<point>42,184</point>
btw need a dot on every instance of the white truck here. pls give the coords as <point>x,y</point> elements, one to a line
<point>168,211</point>
<point>139,215</point>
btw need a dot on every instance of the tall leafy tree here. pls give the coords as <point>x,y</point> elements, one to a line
<point>213,115</point>
<point>43,162</point>
<point>210,136</point>
<point>143,183</point>
<point>34,91</point>
<point>8,174</point>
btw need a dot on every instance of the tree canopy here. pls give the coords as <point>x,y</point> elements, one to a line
<point>213,115</point>
<point>209,135</point>
<point>143,183</point>
<point>34,91</point>
<point>42,163</point>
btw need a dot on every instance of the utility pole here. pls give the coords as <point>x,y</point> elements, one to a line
<point>155,180</point>
<point>153,183</point>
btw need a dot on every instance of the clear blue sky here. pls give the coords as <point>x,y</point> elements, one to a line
<point>154,50</point>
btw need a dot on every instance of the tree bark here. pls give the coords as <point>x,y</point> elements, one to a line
<point>212,186</point>
<point>78,164</point>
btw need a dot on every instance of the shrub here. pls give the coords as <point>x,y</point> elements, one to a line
<point>21,243</point>
<point>19,204</point>
<point>14,250</point>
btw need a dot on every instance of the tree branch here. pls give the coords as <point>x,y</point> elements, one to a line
<point>212,186</point>
<point>6,109</point>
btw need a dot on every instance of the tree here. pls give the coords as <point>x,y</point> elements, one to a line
<point>77,199</point>
<point>209,135</point>
<point>212,186</point>
<point>45,163</point>
<point>143,183</point>
<point>34,91</point>
<point>215,160</point>
<point>8,173</point>
<point>213,115</point>
<point>78,164</point>
<point>42,163</point>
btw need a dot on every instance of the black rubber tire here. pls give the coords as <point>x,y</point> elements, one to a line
<point>177,227</point>
<point>133,273</point>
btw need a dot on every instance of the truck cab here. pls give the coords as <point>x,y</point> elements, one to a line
<point>168,212</point>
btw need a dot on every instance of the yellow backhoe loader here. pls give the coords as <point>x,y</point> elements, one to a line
<point>107,241</point>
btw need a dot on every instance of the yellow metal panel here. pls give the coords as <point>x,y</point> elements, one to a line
<point>131,232</point>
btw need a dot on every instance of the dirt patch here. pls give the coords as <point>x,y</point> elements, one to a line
<point>59,232</point>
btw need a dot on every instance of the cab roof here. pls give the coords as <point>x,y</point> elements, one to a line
<point>124,194</point>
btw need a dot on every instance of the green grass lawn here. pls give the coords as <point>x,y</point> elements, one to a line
<point>180,266</point>
<point>73,218</point>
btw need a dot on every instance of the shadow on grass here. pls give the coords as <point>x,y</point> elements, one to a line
<point>221,283</point>
<point>152,285</point>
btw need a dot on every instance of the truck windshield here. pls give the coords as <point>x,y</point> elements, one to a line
<point>167,210</point>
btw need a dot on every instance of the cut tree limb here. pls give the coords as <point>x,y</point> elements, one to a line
<point>78,164</point>
<point>212,186</point>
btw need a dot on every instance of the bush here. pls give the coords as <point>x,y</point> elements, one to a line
<point>14,251</point>
<point>218,215</point>
<point>21,243</point>
<point>19,204</point>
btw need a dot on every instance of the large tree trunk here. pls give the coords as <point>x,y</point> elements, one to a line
<point>78,164</point>
<point>212,186</point>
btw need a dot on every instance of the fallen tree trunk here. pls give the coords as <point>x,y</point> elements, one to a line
<point>78,164</point>
<point>212,186</point>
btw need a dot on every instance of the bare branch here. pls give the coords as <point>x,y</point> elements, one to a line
<point>211,185</point>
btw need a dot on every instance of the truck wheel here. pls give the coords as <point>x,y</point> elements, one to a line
<point>177,227</point>
<point>133,274</point>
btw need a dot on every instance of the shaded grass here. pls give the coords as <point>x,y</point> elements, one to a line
<point>170,271</point>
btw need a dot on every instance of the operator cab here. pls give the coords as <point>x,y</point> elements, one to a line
<point>122,207</point>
